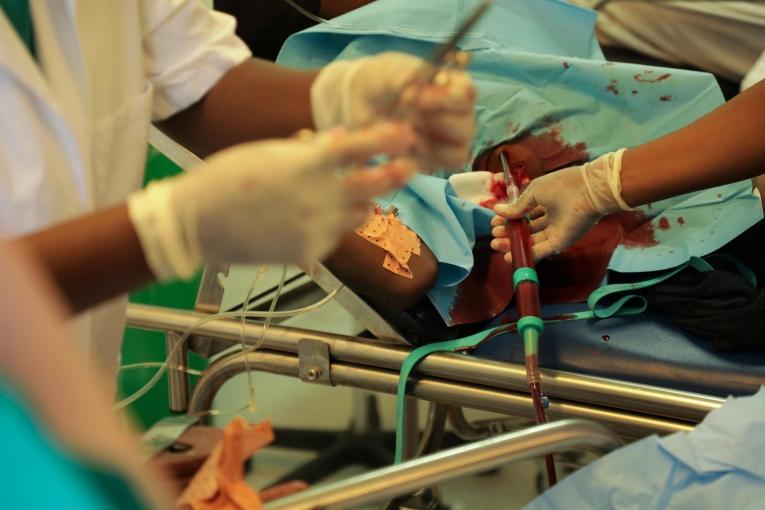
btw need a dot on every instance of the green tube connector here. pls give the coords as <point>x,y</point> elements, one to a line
<point>530,327</point>
<point>525,274</point>
<point>530,342</point>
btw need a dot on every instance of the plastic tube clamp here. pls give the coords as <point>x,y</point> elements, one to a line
<point>524,274</point>
<point>530,321</point>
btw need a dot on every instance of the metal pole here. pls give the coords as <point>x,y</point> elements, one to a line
<point>177,380</point>
<point>433,435</point>
<point>450,464</point>
<point>411,428</point>
<point>446,392</point>
<point>599,391</point>
<point>463,428</point>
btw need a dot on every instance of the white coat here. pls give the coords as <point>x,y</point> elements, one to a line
<point>73,125</point>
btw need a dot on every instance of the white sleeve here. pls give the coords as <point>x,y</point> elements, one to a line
<point>187,48</point>
<point>755,74</point>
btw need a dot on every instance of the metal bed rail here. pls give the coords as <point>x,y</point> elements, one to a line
<point>447,465</point>
<point>628,425</point>
<point>449,378</point>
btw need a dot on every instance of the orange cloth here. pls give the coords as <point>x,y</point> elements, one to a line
<point>219,483</point>
<point>399,242</point>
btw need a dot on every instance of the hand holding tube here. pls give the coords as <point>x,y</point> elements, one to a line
<point>566,204</point>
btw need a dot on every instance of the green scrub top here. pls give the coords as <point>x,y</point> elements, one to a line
<point>37,473</point>
<point>17,12</point>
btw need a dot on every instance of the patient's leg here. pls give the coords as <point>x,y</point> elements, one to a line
<point>359,264</point>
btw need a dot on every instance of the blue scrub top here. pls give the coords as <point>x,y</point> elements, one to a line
<point>37,473</point>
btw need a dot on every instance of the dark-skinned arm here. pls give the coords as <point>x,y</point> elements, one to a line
<point>359,264</point>
<point>99,256</point>
<point>91,259</point>
<point>254,100</point>
<point>723,146</point>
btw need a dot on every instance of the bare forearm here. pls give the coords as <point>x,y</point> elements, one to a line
<point>722,147</point>
<point>254,100</point>
<point>359,264</point>
<point>93,258</point>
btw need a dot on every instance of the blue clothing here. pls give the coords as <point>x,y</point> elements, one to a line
<point>538,71</point>
<point>36,473</point>
<point>717,465</point>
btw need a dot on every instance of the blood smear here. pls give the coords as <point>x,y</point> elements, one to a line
<point>489,203</point>
<point>487,290</point>
<point>640,78</point>
<point>606,338</point>
<point>499,194</point>
<point>664,223</point>
<point>681,220</point>
<point>638,230</point>
<point>544,153</point>
<point>612,88</point>
<point>570,276</point>
<point>553,151</point>
<point>499,190</point>
<point>562,317</point>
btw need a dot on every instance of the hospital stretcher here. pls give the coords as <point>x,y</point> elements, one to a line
<point>633,376</point>
<point>632,408</point>
<point>648,378</point>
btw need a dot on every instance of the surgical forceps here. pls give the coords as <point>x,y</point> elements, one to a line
<point>444,54</point>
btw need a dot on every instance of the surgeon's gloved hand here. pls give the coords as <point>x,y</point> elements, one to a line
<point>563,205</point>
<point>272,201</point>
<point>359,92</point>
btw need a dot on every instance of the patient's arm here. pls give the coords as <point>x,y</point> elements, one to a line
<point>359,264</point>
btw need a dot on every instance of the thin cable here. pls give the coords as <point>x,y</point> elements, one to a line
<point>157,364</point>
<point>271,310</point>
<point>305,13</point>
<point>250,384</point>
<point>251,405</point>
<point>158,375</point>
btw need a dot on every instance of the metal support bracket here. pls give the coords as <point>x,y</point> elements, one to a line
<point>177,380</point>
<point>313,362</point>
<point>208,301</point>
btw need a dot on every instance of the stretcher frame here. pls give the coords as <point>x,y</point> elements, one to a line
<point>449,381</point>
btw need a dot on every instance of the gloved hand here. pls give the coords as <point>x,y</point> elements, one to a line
<point>359,92</point>
<point>564,205</point>
<point>271,201</point>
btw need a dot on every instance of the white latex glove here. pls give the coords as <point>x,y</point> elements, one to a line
<point>359,92</point>
<point>271,201</point>
<point>566,204</point>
